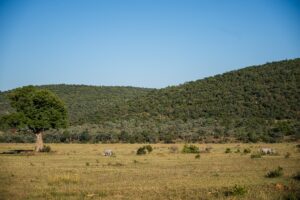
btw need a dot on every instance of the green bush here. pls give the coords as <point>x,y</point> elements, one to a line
<point>149,148</point>
<point>141,151</point>
<point>275,173</point>
<point>190,149</point>
<point>236,191</point>
<point>144,149</point>
<point>228,150</point>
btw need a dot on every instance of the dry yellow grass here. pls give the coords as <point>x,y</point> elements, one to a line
<point>80,171</point>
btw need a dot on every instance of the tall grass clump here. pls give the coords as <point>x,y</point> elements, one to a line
<point>63,179</point>
<point>291,196</point>
<point>236,191</point>
<point>297,176</point>
<point>255,155</point>
<point>247,150</point>
<point>287,155</point>
<point>237,151</point>
<point>173,149</point>
<point>275,173</point>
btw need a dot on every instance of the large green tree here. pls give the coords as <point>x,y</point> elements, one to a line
<point>37,110</point>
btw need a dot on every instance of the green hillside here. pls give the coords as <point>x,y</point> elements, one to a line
<point>257,103</point>
<point>270,91</point>
<point>84,101</point>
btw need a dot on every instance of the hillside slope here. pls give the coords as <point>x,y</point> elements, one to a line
<point>257,103</point>
<point>84,101</point>
<point>269,91</point>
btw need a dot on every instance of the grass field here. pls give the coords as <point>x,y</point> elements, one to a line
<point>80,171</point>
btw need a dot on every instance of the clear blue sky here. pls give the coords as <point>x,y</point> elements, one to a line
<point>146,43</point>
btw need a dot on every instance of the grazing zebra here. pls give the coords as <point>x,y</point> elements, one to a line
<point>267,150</point>
<point>108,152</point>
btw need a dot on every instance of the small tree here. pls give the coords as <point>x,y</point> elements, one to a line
<point>37,110</point>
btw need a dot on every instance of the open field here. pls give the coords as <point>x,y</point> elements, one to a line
<point>80,171</point>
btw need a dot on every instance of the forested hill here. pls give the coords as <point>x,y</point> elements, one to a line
<point>257,103</point>
<point>84,102</point>
<point>269,91</point>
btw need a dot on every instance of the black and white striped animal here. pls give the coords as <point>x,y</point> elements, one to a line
<point>268,151</point>
<point>108,152</point>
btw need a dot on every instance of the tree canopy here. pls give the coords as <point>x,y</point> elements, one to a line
<point>37,109</point>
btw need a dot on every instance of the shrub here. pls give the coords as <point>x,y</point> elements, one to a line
<point>197,156</point>
<point>247,150</point>
<point>287,155</point>
<point>236,191</point>
<point>190,149</point>
<point>46,149</point>
<point>275,173</point>
<point>141,151</point>
<point>256,155</point>
<point>149,148</point>
<point>87,164</point>
<point>228,150</point>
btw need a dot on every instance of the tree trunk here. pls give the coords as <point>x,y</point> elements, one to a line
<point>39,145</point>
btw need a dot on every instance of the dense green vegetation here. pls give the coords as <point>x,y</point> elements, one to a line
<point>258,103</point>
<point>87,104</point>
<point>36,110</point>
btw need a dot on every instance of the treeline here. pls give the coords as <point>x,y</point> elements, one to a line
<point>200,130</point>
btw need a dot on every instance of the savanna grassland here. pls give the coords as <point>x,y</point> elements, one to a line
<point>80,171</point>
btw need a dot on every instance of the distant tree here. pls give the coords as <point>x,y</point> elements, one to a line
<point>37,110</point>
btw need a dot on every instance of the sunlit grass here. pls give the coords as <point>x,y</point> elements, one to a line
<point>161,174</point>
